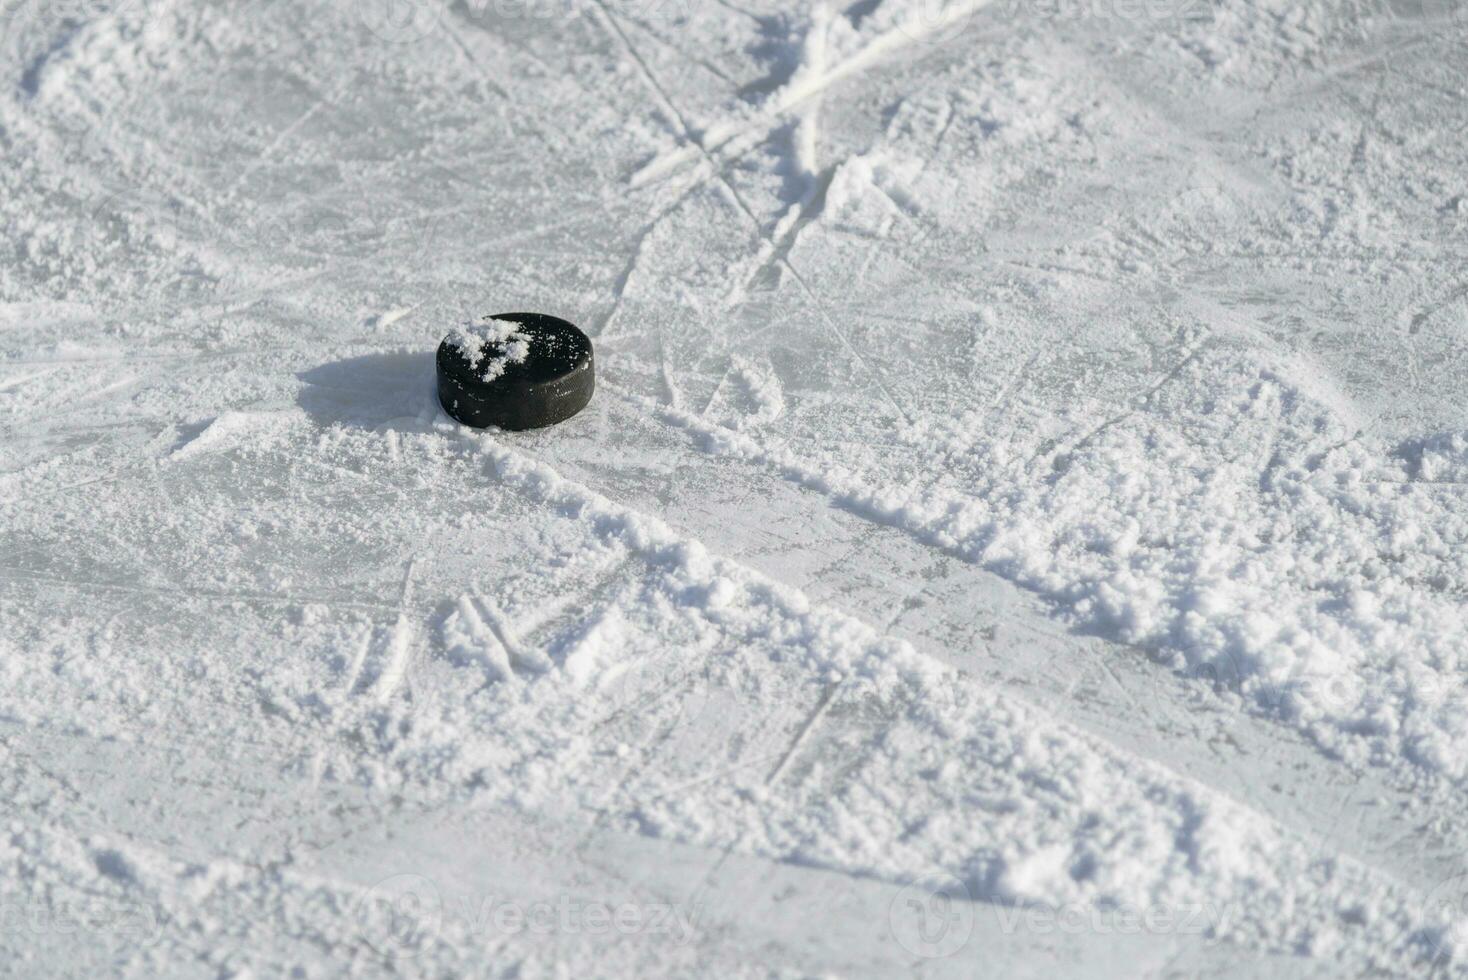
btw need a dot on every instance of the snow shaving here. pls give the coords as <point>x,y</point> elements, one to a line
<point>494,343</point>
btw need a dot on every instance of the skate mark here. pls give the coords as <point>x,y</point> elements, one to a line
<point>469,641</point>
<point>812,720</point>
<point>625,278</point>
<point>383,658</point>
<point>321,102</point>
<point>476,633</point>
<point>760,396</point>
<point>743,205</point>
<point>1061,460</point>
<point>16,382</point>
<point>224,431</point>
<point>804,83</point>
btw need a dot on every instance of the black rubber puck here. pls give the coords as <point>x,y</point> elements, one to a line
<point>515,371</point>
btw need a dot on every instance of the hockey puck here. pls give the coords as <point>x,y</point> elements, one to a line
<point>515,371</point>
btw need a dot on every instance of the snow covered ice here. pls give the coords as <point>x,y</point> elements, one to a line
<point>1020,528</point>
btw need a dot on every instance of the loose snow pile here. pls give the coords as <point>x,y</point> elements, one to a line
<point>495,343</point>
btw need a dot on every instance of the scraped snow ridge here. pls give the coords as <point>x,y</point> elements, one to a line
<point>1331,595</point>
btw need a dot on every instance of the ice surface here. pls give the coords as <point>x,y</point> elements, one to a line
<point>1019,530</point>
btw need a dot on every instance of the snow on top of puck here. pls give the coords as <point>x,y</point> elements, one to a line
<point>494,343</point>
